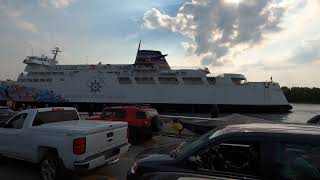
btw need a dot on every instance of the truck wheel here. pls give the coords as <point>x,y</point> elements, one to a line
<point>51,168</point>
<point>149,136</point>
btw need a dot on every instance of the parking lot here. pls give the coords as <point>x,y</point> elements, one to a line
<point>17,170</point>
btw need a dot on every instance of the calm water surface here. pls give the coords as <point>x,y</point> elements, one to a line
<point>300,113</point>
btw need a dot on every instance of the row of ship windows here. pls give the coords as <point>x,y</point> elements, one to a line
<point>38,80</point>
<point>46,73</point>
<point>166,80</point>
<point>142,80</point>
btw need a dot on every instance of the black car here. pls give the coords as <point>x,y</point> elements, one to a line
<point>188,176</point>
<point>243,151</point>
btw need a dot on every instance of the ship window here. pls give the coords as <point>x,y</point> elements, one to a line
<point>61,79</point>
<point>168,80</point>
<point>211,80</point>
<point>238,81</point>
<point>42,80</point>
<point>48,73</point>
<point>29,80</point>
<point>49,80</point>
<point>61,73</point>
<point>23,80</point>
<point>124,80</point>
<point>145,80</point>
<point>55,73</point>
<point>192,80</point>
<point>35,80</point>
<point>41,73</point>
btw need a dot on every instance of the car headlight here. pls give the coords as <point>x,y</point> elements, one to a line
<point>134,168</point>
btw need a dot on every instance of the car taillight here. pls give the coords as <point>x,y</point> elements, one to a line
<point>79,146</point>
<point>147,123</point>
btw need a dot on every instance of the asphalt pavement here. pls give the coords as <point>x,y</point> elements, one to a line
<point>11,169</point>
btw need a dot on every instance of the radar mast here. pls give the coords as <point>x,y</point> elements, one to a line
<point>55,52</point>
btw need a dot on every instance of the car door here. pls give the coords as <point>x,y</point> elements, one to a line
<point>12,138</point>
<point>294,160</point>
<point>238,156</point>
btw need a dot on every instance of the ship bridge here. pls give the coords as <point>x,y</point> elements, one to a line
<point>236,79</point>
<point>43,60</point>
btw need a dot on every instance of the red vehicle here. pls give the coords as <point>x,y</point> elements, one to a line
<point>143,122</point>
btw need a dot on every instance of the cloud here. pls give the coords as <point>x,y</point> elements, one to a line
<point>13,16</point>
<point>216,27</point>
<point>307,52</point>
<point>56,3</point>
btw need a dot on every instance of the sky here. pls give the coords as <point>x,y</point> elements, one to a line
<point>257,38</point>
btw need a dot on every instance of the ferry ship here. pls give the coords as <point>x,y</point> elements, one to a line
<point>150,80</point>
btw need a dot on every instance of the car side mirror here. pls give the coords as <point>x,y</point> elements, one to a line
<point>192,162</point>
<point>192,159</point>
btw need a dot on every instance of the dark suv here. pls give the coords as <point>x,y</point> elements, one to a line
<point>243,151</point>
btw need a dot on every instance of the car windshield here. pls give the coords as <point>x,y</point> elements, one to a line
<point>189,146</point>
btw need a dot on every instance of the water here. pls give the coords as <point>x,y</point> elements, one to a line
<point>300,113</point>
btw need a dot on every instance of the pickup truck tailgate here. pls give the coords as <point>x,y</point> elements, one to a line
<point>100,136</point>
<point>109,138</point>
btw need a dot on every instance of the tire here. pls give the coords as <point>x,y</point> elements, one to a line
<point>3,160</point>
<point>135,137</point>
<point>51,168</point>
<point>149,136</point>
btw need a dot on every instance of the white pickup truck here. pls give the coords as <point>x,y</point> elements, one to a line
<point>59,141</point>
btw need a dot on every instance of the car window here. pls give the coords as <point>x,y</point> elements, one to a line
<point>141,115</point>
<point>114,113</point>
<point>188,147</point>
<point>108,113</point>
<point>55,116</point>
<point>296,161</point>
<point>17,121</point>
<point>120,114</point>
<point>232,156</point>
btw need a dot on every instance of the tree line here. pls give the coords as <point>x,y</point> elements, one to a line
<point>302,94</point>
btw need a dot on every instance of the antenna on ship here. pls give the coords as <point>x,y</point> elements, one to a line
<point>138,50</point>
<point>139,46</point>
<point>55,52</point>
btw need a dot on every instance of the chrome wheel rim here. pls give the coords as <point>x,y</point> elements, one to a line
<point>48,169</point>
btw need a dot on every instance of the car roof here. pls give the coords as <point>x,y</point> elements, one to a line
<point>128,107</point>
<point>49,109</point>
<point>273,128</point>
